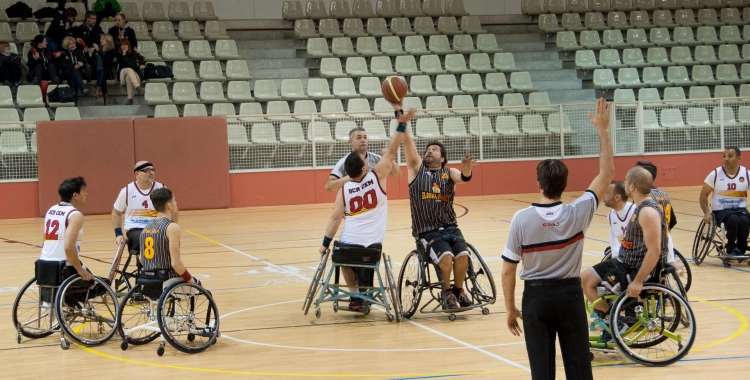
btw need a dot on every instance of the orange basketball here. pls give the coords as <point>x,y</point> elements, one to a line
<point>394,89</point>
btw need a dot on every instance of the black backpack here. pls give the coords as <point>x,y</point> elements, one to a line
<point>62,95</point>
<point>19,10</point>
<point>46,12</point>
<point>153,71</point>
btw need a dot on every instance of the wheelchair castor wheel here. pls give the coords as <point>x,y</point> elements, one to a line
<point>366,310</point>
<point>390,317</point>
<point>317,312</point>
<point>18,338</point>
<point>160,350</point>
<point>452,317</point>
<point>64,344</point>
<point>191,337</point>
<point>335,307</point>
<point>124,345</point>
<point>485,311</point>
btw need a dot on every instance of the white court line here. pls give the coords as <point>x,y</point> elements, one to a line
<point>446,336</point>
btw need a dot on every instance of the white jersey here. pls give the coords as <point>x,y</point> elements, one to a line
<point>618,224</point>
<point>136,205</point>
<point>366,211</point>
<point>730,192</point>
<point>55,225</point>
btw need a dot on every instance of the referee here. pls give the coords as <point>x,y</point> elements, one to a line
<point>548,239</point>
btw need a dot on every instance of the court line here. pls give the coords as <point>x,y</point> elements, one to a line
<point>446,336</point>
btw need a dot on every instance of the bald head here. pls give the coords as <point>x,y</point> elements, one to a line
<point>641,180</point>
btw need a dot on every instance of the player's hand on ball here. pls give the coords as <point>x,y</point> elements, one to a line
<point>398,106</point>
<point>513,317</point>
<point>407,116</point>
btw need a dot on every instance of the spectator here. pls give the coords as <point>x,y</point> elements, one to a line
<point>10,66</point>
<point>105,56</point>
<point>131,63</point>
<point>73,65</point>
<point>40,61</point>
<point>121,30</point>
<point>105,9</point>
<point>87,35</point>
<point>59,28</point>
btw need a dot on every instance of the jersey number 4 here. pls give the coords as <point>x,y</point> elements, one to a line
<point>144,204</point>
<point>51,235</point>
<point>369,201</point>
<point>148,250</point>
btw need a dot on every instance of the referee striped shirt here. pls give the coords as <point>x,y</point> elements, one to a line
<point>633,249</point>
<point>431,200</point>
<point>155,247</point>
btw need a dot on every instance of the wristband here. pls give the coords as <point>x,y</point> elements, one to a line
<point>186,276</point>
<point>401,128</point>
<point>399,112</point>
<point>118,232</point>
<point>327,241</point>
<point>465,178</point>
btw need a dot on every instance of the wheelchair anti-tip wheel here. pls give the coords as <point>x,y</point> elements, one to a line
<point>135,310</point>
<point>654,334</point>
<point>411,283</point>
<point>33,316</point>
<point>312,291</point>
<point>187,311</point>
<point>86,310</point>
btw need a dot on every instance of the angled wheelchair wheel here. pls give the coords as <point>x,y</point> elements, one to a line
<point>312,291</point>
<point>393,291</point>
<point>133,312</point>
<point>86,310</point>
<point>480,277</point>
<point>411,280</point>
<point>33,315</point>
<point>683,270</point>
<point>703,242</point>
<point>654,335</point>
<point>188,317</point>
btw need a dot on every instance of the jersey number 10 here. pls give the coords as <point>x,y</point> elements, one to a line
<point>731,186</point>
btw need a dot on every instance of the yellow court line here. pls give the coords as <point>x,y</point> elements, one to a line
<point>203,237</point>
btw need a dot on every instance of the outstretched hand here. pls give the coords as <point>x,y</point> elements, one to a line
<point>601,119</point>
<point>468,161</point>
<point>513,317</point>
<point>407,116</point>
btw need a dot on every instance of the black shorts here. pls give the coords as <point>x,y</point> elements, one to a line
<point>613,273</point>
<point>444,241</point>
<point>134,241</point>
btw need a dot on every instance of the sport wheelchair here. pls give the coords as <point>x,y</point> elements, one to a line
<point>384,294</point>
<point>182,314</point>
<point>682,277</point>
<point>123,278</point>
<point>56,298</point>
<point>415,277</point>
<point>657,328</point>
<point>710,237</point>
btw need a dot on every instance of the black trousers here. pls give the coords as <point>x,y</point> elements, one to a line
<point>737,224</point>
<point>550,311</point>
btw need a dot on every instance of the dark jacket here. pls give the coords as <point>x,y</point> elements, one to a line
<point>129,34</point>
<point>45,58</point>
<point>68,59</point>
<point>14,58</point>
<point>108,58</point>
<point>90,36</point>
<point>132,60</point>
<point>58,29</point>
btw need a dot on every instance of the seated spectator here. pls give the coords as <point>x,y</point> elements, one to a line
<point>105,56</point>
<point>10,66</point>
<point>59,28</point>
<point>73,65</point>
<point>130,65</point>
<point>40,62</point>
<point>121,30</point>
<point>87,36</point>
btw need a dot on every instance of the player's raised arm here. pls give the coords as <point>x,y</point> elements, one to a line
<point>383,168</point>
<point>606,162</point>
<point>467,164</point>
<point>333,224</point>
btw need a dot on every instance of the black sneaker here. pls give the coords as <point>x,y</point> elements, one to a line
<point>450,301</point>
<point>355,304</point>
<point>463,299</point>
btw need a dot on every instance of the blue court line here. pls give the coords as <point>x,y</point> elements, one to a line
<point>683,360</point>
<point>427,377</point>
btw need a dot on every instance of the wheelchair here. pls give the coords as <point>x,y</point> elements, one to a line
<point>658,326</point>
<point>182,314</point>
<point>415,277</point>
<point>710,237</point>
<point>681,279</point>
<point>123,278</point>
<point>384,294</point>
<point>57,299</point>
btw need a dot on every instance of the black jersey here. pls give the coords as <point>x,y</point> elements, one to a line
<point>155,247</point>
<point>431,199</point>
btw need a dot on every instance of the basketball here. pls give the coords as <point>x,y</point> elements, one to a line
<point>394,89</point>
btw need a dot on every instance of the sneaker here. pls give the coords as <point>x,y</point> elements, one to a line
<point>355,304</point>
<point>737,252</point>
<point>451,302</point>
<point>35,81</point>
<point>463,299</point>
<point>607,336</point>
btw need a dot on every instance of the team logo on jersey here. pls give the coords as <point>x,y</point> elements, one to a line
<point>436,188</point>
<point>632,218</point>
<point>742,179</point>
<point>444,175</point>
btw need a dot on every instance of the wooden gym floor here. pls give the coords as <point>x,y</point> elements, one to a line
<point>258,262</point>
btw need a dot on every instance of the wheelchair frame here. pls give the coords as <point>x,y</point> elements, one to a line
<point>59,314</point>
<point>479,296</point>
<point>161,323</point>
<point>121,277</point>
<point>372,295</point>
<point>712,237</point>
<point>682,286</point>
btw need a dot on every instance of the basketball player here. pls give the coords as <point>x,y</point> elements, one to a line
<point>63,227</point>
<point>547,239</point>
<point>363,204</point>
<point>729,185</point>
<point>433,221</point>
<point>358,143</point>
<point>665,205</point>
<point>134,201</point>
<point>160,239</point>
<point>622,210</point>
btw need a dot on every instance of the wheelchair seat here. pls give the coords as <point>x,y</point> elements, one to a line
<point>355,254</point>
<point>152,283</point>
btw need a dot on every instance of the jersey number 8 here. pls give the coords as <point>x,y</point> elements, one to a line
<point>148,251</point>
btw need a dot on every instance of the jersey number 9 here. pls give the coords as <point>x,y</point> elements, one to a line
<point>148,251</point>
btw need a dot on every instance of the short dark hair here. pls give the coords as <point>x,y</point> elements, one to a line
<point>620,190</point>
<point>69,187</point>
<point>70,12</point>
<point>355,129</point>
<point>353,165</point>
<point>443,152</point>
<point>37,40</point>
<point>651,168</point>
<point>553,177</point>
<point>89,14</point>
<point>734,148</point>
<point>160,198</point>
